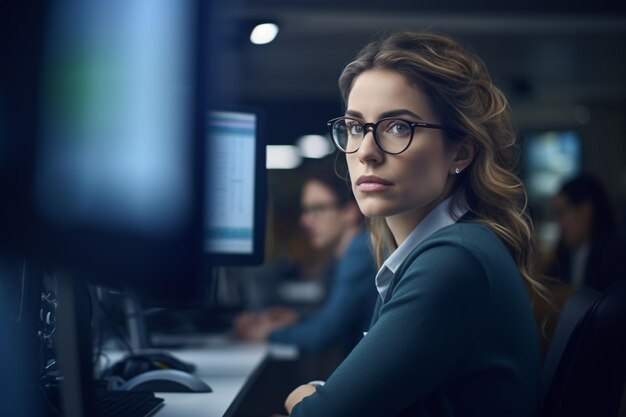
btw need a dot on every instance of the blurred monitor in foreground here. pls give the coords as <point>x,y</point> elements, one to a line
<point>105,180</point>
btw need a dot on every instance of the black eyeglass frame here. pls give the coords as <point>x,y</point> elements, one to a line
<point>317,209</point>
<point>371,127</point>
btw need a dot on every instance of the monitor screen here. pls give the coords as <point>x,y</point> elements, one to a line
<point>234,189</point>
<point>550,158</point>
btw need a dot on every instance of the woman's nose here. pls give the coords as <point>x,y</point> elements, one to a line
<point>369,151</point>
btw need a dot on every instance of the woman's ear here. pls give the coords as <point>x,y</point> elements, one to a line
<point>464,153</point>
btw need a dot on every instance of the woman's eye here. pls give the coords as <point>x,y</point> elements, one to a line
<point>355,128</point>
<point>399,129</point>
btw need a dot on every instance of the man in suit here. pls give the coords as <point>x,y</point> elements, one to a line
<point>333,222</point>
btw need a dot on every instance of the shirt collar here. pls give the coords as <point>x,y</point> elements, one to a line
<point>438,218</point>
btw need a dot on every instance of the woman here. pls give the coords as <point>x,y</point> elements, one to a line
<point>588,252</point>
<point>429,146</point>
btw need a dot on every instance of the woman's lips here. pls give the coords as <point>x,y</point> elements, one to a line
<point>371,184</point>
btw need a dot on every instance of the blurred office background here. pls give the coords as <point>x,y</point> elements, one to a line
<point>562,65</point>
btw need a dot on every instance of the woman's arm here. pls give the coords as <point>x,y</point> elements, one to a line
<point>424,332</point>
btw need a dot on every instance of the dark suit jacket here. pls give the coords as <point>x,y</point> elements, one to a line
<point>605,265</point>
<point>348,310</point>
<point>454,337</point>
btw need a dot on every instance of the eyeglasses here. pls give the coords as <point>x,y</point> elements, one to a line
<point>393,136</point>
<point>317,210</point>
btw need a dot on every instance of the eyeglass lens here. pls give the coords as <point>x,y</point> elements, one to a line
<point>393,135</point>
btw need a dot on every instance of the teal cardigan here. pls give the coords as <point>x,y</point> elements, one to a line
<point>454,336</point>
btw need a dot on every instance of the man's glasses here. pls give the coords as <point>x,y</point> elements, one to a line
<point>317,210</point>
<point>391,135</point>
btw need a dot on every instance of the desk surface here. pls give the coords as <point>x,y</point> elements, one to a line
<point>225,365</point>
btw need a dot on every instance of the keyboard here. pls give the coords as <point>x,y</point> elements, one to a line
<point>126,404</point>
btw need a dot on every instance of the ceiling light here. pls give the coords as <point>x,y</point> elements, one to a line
<point>263,33</point>
<point>282,157</point>
<point>314,146</point>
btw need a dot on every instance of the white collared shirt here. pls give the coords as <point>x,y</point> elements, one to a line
<point>438,218</point>
<point>579,264</point>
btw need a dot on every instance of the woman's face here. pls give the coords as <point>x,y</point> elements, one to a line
<point>407,183</point>
<point>575,221</point>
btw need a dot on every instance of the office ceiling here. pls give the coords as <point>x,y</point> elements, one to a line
<point>560,54</point>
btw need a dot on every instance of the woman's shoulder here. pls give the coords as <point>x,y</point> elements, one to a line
<point>443,262</point>
<point>472,235</point>
<point>455,253</point>
<point>465,242</point>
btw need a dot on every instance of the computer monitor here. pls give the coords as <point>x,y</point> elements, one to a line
<point>550,158</point>
<point>102,125</point>
<point>101,164</point>
<point>235,189</point>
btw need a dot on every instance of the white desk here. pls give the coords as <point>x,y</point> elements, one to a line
<point>225,366</point>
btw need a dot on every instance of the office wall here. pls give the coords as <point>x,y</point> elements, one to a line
<point>604,146</point>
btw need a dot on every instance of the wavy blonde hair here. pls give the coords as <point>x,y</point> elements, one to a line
<point>467,102</point>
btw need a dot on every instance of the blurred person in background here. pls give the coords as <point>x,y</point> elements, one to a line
<point>334,223</point>
<point>588,252</point>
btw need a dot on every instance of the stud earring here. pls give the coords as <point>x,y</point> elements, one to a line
<point>457,171</point>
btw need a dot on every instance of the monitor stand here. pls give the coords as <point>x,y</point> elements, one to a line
<point>136,324</point>
<point>79,395</point>
<point>138,338</point>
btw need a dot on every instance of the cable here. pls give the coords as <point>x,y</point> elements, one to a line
<point>121,338</point>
